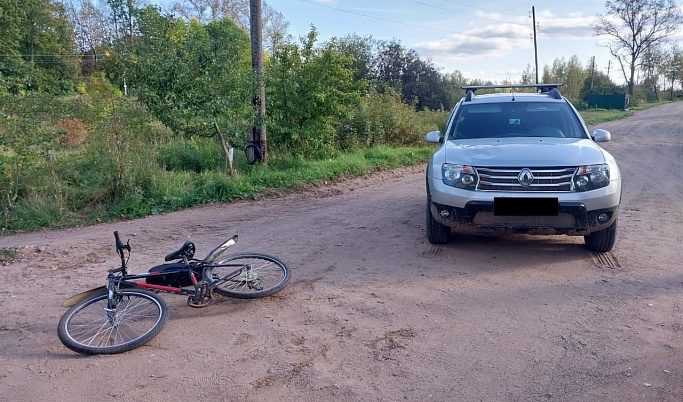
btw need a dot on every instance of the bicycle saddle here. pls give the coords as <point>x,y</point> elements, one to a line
<point>186,250</point>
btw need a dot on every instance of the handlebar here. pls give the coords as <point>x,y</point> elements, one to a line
<point>119,250</point>
<point>119,244</point>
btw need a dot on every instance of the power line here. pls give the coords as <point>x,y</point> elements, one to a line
<point>462,13</point>
<point>482,8</point>
<point>380,18</point>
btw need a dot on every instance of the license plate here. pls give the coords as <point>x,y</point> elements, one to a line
<point>511,206</point>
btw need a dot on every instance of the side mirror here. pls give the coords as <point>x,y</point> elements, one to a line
<point>600,135</point>
<point>434,137</point>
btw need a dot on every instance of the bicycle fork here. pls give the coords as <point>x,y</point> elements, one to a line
<point>111,307</point>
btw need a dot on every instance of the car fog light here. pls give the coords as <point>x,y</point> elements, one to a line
<point>444,213</point>
<point>603,217</point>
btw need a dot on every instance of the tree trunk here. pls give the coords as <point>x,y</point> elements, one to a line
<point>631,82</point>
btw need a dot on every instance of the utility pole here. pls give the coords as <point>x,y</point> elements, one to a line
<point>592,72</point>
<point>609,64</point>
<point>533,14</point>
<point>258,133</point>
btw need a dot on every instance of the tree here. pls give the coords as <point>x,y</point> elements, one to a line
<point>570,73</point>
<point>310,88</point>
<point>452,83</point>
<point>389,64</point>
<point>91,32</point>
<point>598,83</point>
<point>359,50</point>
<point>528,75</point>
<point>123,16</point>
<point>418,81</point>
<point>672,68</point>
<point>37,46</point>
<point>424,85</point>
<point>189,75</point>
<point>274,24</point>
<point>633,27</point>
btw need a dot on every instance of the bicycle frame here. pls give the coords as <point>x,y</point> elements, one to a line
<point>200,288</point>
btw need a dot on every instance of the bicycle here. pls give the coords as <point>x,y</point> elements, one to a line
<point>127,313</point>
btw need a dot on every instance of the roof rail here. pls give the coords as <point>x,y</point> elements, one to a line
<point>551,89</point>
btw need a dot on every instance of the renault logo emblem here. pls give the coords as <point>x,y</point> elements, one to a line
<point>525,177</point>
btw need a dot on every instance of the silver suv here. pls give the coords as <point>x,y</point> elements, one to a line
<point>515,162</point>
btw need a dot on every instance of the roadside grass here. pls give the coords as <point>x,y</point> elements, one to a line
<point>88,202</point>
<point>8,255</point>
<point>597,116</point>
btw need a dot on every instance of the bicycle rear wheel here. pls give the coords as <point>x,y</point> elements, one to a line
<point>88,327</point>
<point>247,276</point>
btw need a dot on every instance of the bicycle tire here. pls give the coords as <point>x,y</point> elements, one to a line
<point>267,275</point>
<point>85,328</point>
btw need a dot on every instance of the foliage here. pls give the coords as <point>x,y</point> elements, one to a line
<point>570,73</point>
<point>188,74</point>
<point>359,50</point>
<point>418,81</point>
<point>599,83</point>
<point>309,89</point>
<point>382,119</point>
<point>25,141</point>
<point>205,11</point>
<point>672,67</point>
<point>37,47</point>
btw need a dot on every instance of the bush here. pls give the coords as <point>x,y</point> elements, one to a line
<point>382,119</point>
<point>197,155</point>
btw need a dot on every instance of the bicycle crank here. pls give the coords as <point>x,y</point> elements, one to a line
<point>199,302</point>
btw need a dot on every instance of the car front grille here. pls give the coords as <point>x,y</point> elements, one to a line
<point>507,179</point>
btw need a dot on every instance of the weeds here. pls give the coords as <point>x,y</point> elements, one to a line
<point>8,255</point>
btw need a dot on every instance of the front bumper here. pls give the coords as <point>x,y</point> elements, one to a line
<point>573,219</point>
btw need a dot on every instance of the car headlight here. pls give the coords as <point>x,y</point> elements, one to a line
<point>591,177</point>
<point>460,176</point>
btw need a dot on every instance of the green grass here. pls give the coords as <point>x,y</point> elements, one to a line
<point>8,254</point>
<point>178,190</point>
<point>597,116</point>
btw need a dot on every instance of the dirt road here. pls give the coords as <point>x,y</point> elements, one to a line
<point>373,311</point>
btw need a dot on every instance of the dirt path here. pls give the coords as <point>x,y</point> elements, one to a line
<point>373,311</point>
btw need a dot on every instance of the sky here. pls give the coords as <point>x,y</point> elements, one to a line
<point>485,39</point>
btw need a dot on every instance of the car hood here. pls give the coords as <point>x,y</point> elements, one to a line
<point>525,152</point>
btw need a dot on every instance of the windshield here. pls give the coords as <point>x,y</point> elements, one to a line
<point>516,119</point>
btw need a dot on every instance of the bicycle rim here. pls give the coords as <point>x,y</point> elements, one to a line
<point>87,328</point>
<point>248,276</point>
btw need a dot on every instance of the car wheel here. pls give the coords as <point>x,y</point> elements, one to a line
<point>602,240</point>
<point>436,232</point>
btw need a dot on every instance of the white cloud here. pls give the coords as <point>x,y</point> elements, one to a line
<point>505,38</point>
<point>491,41</point>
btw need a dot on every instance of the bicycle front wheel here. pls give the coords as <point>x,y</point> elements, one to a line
<point>247,276</point>
<point>90,328</point>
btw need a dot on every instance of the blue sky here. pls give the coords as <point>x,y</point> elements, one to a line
<point>486,39</point>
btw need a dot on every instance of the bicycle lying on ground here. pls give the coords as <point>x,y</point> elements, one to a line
<point>125,315</point>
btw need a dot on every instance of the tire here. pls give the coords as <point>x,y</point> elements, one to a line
<point>602,240</point>
<point>436,232</point>
<point>85,327</point>
<point>267,275</point>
